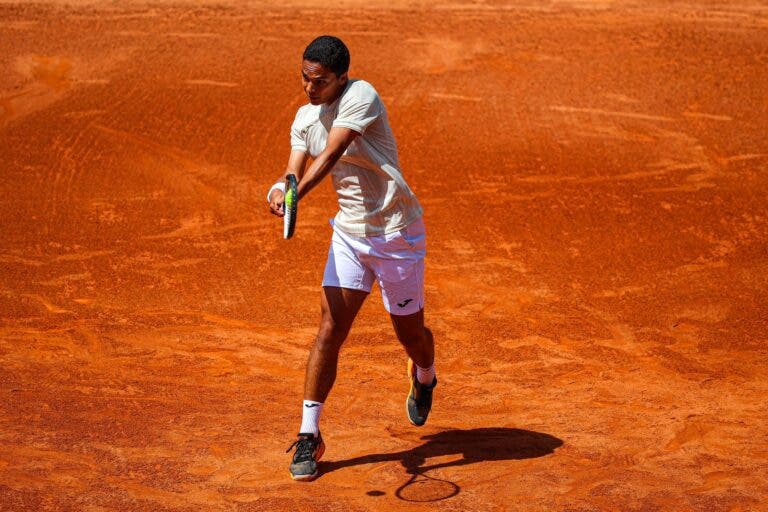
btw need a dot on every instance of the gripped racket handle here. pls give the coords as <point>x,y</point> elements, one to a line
<point>290,205</point>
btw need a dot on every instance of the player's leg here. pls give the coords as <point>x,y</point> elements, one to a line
<point>399,266</point>
<point>338,307</point>
<point>416,338</point>
<point>419,344</point>
<point>346,284</point>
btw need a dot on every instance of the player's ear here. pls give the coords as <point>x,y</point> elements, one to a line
<point>344,77</point>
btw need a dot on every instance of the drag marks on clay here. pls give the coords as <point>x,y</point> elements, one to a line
<point>711,117</point>
<point>70,169</point>
<point>66,279</point>
<point>184,262</point>
<point>49,306</point>
<point>745,157</point>
<point>619,292</point>
<point>461,296</point>
<point>621,98</point>
<point>534,356</point>
<point>592,469</point>
<point>49,78</point>
<point>42,468</point>
<point>193,35</point>
<point>82,256</point>
<point>115,15</point>
<point>204,224</point>
<point>91,81</point>
<point>214,347</point>
<point>87,338</point>
<point>436,55</point>
<point>212,83</point>
<point>174,169</point>
<point>721,480</point>
<point>198,224</point>
<point>53,71</point>
<point>694,430</point>
<point>680,152</point>
<point>107,213</point>
<point>610,113</point>
<point>724,20</point>
<point>476,7</point>
<point>75,342</point>
<point>79,114</point>
<point>130,33</point>
<point>139,491</point>
<point>622,333</point>
<point>53,279</point>
<point>145,143</point>
<point>19,260</point>
<point>492,196</point>
<point>455,97</point>
<point>653,349</point>
<point>707,312</point>
<point>20,24</point>
<point>356,33</point>
<point>718,250</point>
<point>630,176</point>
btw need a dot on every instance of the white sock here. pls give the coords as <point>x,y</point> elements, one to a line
<point>310,417</point>
<point>425,375</point>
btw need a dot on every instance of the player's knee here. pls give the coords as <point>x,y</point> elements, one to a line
<point>417,337</point>
<point>331,334</point>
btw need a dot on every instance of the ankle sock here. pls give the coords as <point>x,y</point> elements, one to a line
<point>425,375</point>
<point>310,417</point>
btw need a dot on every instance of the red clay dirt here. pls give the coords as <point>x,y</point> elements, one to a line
<point>594,176</point>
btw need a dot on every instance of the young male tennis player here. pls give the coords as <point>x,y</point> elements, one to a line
<point>378,233</point>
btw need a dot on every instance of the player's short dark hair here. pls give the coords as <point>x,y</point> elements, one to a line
<point>330,52</point>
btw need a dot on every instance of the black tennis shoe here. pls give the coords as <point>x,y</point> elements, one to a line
<point>419,401</point>
<point>309,449</point>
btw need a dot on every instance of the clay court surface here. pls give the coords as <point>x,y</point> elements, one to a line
<point>594,177</point>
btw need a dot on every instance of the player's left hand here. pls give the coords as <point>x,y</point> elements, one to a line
<point>277,203</point>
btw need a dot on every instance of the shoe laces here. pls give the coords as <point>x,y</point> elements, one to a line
<point>305,448</point>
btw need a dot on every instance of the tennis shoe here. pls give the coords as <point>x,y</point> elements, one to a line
<point>309,449</point>
<point>419,401</point>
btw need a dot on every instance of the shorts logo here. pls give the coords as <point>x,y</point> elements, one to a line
<point>404,303</point>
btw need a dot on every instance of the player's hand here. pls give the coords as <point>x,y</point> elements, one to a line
<point>276,203</point>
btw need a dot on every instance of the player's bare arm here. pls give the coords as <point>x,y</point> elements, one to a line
<point>297,162</point>
<point>338,141</point>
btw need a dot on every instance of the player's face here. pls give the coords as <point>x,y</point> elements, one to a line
<point>320,83</point>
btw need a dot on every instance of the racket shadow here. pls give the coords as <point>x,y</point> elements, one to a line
<point>474,445</point>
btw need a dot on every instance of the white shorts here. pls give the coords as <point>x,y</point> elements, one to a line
<point>395,261</point>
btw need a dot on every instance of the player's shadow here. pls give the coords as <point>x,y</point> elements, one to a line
<point>475,445</point>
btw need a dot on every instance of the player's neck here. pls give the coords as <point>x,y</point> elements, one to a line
<point>336,98</point>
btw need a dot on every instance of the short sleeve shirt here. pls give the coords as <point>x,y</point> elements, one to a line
<point>374,198</point>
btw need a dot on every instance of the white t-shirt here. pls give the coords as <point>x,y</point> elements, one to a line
<point>374,199</point>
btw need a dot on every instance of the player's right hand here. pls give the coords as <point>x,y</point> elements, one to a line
<point>277,202</point>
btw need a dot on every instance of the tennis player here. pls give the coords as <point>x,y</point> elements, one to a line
<point>378,233</point>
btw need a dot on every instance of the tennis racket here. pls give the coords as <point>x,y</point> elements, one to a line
<point>290,205</point>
